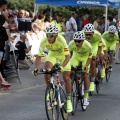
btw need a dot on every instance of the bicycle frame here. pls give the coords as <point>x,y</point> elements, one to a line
<point>56,87</point>
<point>58,92</point>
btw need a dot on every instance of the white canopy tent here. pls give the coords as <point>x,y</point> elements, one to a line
<point>103,3</point>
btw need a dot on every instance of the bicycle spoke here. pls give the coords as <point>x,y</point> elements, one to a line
<point>74,96</point>
<point>51,105</point>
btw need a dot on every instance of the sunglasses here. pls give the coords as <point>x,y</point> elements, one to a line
<point>78,41</point>
<point>88,34</point>
<point>50,35</point>
<point>111,33</point>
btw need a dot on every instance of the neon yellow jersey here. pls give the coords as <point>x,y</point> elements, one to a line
<point>103,45</point>
<point>59,47</point>
<point>84,50</point>
<point>109,39</point>
<point>59,25</point>
<point>96,39</point>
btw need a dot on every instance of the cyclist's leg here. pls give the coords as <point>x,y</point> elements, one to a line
<point>86,86</point>
<point>49,62</point>
<point>111,54</point>
<point>66,78</point>
<point>86,80</point>
<point>74,62</point>
<point>102,73</point>
<point>93,73</point>
<point>93,67</point>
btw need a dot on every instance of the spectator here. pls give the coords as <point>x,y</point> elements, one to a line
<point>36,26</point>
<point>86,19</point>
<point>117,55</point>
<point>115,18</point>
<point>72,22</point>
<point>96,22</point>
<point>59,22</point>
<point>80,23</point>
<point>22,50</point>
<point>3,38</point>
<point>16,11</point>
<point>22,13</point>
<point>47,21</point>
<point>101,25</point>
<point>9,11</point>
<point>44,13</point>
<point>11,24</point>
<point>110,20</point>
<point>15,18</point>
<point>3,5</point>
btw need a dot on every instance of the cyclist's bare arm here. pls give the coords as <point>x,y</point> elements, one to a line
<point>99,51</point>
<point>37,62</point>
<point>105,54</point>
<point>67,58</point>
<point>88,62</point>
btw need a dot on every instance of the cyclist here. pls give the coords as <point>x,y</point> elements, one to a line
<point>103,58</point>
<point>58,50</point>
<point>94,38</point>
<point>82,52</point>
<point>111,39</point>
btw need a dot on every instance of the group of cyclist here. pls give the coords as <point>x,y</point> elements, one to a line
<point>88,46</point>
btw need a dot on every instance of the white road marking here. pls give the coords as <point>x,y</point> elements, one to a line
<point>24,89</point>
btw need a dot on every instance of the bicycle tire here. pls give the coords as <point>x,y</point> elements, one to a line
<point>82,96</point>
<point>98,88</point>
<point>74,95</point>
<point>108,73</point>
<point>63,99</point>
<point>53,111</point>
<point>98,81</point>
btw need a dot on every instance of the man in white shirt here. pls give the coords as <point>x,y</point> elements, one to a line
<point>115,18</point>
<point>72,21</point>
<point>73,25</point>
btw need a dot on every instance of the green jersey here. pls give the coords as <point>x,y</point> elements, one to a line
<point>109,39</point>
<point>84,50</point>
<point>96,39</point>
<point>59,47</point>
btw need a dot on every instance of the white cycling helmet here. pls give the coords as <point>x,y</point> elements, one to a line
<point>112,29</point>
<point>52,29</point>
<point>79,35</point>
<point>89,28</point>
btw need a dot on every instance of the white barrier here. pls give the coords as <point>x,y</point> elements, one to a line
<point>34,40</point>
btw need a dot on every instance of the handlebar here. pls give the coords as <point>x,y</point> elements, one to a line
<point>56,68</point>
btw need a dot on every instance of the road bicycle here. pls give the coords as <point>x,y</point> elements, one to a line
<point>98,79</point>
<point>107,67</point>
<point>77,83</point>
<point>55,95</point>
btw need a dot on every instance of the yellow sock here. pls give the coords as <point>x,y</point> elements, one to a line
<point>86,95</point>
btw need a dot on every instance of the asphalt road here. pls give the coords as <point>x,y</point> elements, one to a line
<point>25,101</point>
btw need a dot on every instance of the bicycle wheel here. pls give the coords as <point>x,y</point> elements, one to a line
<point>81,95</point>
<point>108,73</point>
<point>74,95</point>
<point>98,81</point>
<point>63,97</point>
<point>51,103</point>
<point>98,87</point>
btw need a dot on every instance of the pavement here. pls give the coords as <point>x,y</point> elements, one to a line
<point>25,101</point>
